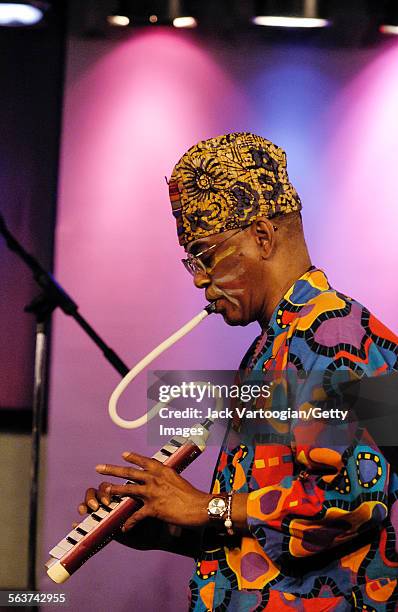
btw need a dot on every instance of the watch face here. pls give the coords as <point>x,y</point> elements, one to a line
<point>217,506</point>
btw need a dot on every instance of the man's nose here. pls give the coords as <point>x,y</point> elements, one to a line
<point>201,280</point>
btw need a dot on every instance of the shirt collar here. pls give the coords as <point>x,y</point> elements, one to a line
<point>310,284</point>
<point>306,287</point>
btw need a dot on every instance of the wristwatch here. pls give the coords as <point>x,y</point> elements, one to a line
<point>217,507</point>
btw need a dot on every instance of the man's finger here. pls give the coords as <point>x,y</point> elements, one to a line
<point>132,490</point>
<point>91,499</point>
<point>145,462</point>
<point>122,472</point>
<point>103,495</point>
<point>135,518</point>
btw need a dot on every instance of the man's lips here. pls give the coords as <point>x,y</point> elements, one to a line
<point>210,297</point>
<point>216,302</point>
<point>213,297</point>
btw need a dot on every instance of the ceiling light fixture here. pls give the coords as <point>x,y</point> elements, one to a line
<point>290,14</point>
<point>22,14</point>
<point>185,22</point>
<point>389,29</point>
<point>118,20</point>
<point>390,22</point>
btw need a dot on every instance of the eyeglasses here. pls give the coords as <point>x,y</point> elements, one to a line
<point>195,265</point>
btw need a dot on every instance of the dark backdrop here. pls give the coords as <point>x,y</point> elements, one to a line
<point>31,73</point>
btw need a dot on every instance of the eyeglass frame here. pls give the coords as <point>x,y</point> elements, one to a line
<point>194,265</point>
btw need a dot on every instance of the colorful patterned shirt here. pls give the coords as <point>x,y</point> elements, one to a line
<point>322,511</point>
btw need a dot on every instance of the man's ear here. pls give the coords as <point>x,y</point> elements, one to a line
<point>264,235</point>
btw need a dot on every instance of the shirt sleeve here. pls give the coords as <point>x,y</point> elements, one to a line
<point>339,487</point>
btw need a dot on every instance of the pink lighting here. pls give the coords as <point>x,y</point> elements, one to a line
<point>360,191</point>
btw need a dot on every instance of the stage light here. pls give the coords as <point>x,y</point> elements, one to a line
<point>389,29</point>
<point>290,22</point>
<point>21,14</point>
<point>185,22</point>
<point>153,12</point>
<point>290,14</point>
<point>390,22</point>
<point>118,20</point>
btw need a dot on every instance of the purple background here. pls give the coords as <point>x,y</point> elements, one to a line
<point>132,108</point>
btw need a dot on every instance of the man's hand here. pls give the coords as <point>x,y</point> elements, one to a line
<point>150,533</point>
<point>165,495</point>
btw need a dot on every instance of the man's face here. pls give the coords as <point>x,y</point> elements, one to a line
<point>233,276</point>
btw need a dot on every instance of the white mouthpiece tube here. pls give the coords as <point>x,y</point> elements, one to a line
<point>122,386</point>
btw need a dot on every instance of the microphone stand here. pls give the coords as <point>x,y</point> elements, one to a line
<point>52,296</point>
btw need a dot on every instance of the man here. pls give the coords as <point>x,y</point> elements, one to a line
<point>312,524</point>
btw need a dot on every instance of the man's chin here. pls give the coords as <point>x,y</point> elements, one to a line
<point>233,316</point>
<point>235,322</point>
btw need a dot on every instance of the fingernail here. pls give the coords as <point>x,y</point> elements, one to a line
<point>108,489</point>
<point>94,505</point>
<point>105,501</point>
<point>100,467</point>
<point>126,454</point>
<point>82,508</point>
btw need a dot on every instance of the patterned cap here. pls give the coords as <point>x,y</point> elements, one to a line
<point>227,182</point>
